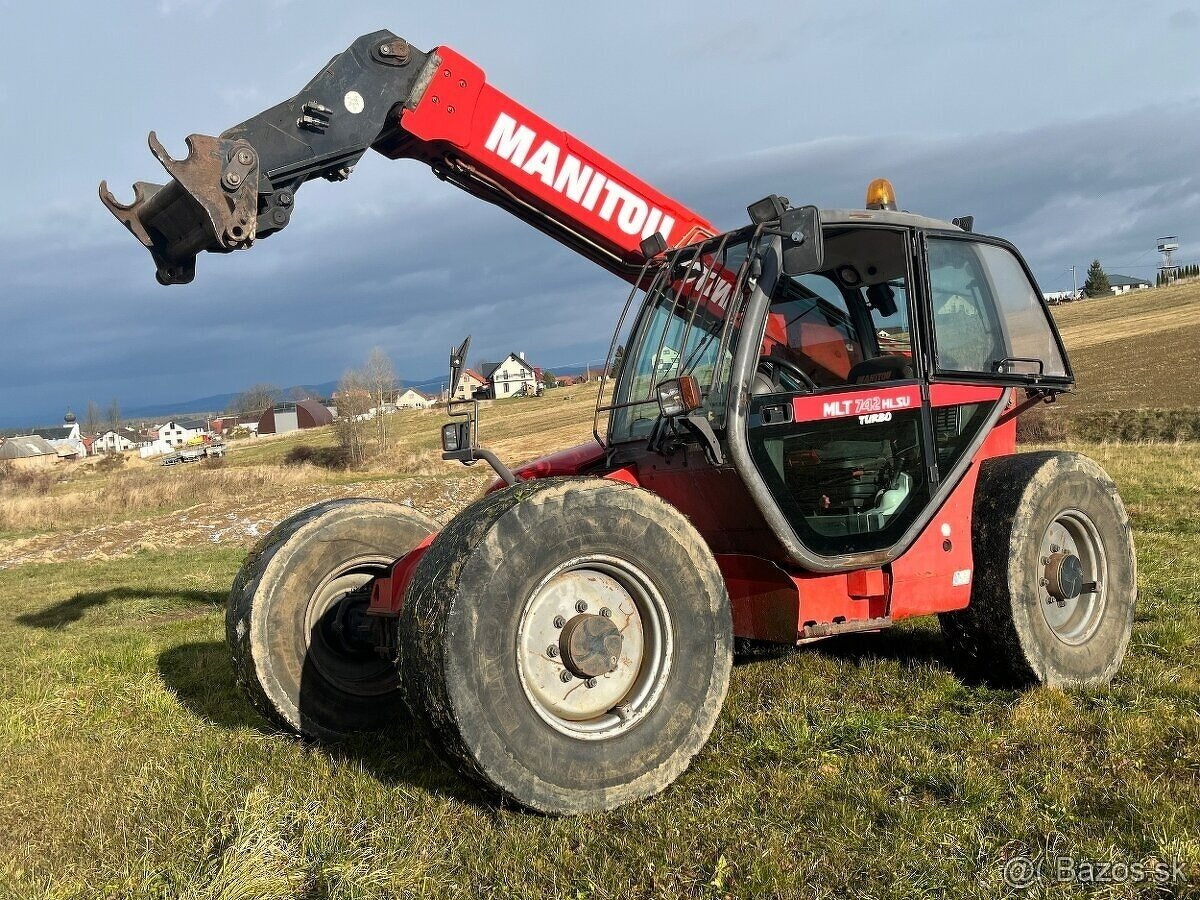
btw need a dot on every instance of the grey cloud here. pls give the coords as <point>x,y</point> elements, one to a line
<point>411,265</point>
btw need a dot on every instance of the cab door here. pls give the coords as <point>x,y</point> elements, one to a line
<point>838,429</point>
<point>988,329</point>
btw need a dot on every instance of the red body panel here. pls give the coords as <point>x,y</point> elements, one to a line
<point>540,164</point>
<point>770,599</point>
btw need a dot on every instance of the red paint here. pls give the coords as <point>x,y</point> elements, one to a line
<point>923,578</point>
<point>626,474</point>
<point>944,394</point>
<point>460,111</point>
<point>771,604</point>
<point>578,460</point>
<point>861,402</point>
<point>387,591</point>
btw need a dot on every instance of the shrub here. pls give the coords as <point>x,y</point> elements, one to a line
<point>110,462</point>
<point>324,457</point>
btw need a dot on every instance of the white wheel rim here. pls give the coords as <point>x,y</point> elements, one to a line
<point>607,704</point>
<point>1074,620</point>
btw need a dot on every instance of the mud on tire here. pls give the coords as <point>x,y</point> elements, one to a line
<point>282,624</point>
<point>501,577</point>
<point>1031,512</point>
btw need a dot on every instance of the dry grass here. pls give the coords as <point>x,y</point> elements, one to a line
<point>44,504</point>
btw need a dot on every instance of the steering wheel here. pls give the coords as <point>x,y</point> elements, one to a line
<point>784,376</point>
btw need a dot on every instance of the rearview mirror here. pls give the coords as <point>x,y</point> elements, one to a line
<point>803,247</point>
<point>458,362</point>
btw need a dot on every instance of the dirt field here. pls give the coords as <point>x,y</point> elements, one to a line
<point>1135,350</point>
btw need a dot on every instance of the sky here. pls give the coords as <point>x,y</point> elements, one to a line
<point>1070,128</point>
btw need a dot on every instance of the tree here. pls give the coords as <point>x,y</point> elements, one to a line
<point>353,405</point>
<point>380,377</point>
<point>255,399</point>
<point>114,414</point>
<point>549,379</point>
<point>1097,281</point>
<point>617,358</point>
<point>299,393</point>
<point>91,419</point>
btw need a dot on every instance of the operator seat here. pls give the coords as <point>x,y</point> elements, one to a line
<point>881,368</point>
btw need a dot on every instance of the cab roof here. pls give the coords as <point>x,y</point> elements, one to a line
<point>883,217</point>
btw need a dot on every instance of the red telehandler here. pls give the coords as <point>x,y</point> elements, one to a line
<point>810,432</point>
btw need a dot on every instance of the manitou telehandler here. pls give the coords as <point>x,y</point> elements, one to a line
<point>810,432</point>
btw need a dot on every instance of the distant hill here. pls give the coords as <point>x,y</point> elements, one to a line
<point>1134,350</point>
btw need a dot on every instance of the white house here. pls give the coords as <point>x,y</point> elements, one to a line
<point>512,377</point>
<point>1123,284</point>
<point>469,383</point>
<point>176,433</point>
<point>411,398</point>
<point>117,441</point>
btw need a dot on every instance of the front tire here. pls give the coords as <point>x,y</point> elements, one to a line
<point>291,616</point>
<point>567,644</point>
<point>1055,582</point>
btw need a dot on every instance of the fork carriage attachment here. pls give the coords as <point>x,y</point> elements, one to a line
<point>240,186</point>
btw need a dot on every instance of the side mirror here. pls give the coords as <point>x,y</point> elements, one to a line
<point>458,362</point>
<point>803,245</point>
<point>882,299</point>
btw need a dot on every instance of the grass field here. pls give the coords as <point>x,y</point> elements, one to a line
<point>864,766</point>
<point>134,768</point>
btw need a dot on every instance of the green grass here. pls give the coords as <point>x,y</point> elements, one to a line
<point>863,766</point>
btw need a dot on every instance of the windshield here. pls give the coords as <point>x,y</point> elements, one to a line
<point>681,330</point>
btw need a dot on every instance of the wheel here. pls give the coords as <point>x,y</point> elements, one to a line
<point>295,624</point>
<point>567,643</point>
<point>1055,578</point>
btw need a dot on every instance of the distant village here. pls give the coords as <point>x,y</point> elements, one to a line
<point>45,447</point>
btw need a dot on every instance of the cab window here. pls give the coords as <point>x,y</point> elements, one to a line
<point>987,316</point>
<point>845,325</point>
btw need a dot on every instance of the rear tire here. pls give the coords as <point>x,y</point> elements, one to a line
<point>520,572</point>
<point>1055,580</point>
<point>286,621</point>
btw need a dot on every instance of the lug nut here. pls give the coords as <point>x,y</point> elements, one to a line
<point>581,606</point>
<point>559,621</point>
<point>606,612</point>
<point>564,676</point>
<point>552,651</point>
<point>591,682</point>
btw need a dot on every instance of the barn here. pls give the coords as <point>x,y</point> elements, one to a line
<point>29,451</point>
<point>291,415</point>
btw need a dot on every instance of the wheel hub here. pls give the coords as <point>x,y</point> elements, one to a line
<point>1074,569</point>
<point>590,645</point>
<point>1064,575</point>
<point>594,647</point>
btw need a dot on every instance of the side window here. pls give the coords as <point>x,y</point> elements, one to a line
<point>987,316</point>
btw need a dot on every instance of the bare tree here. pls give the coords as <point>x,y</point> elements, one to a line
<point>353,405</point>
<point>91,419</point>
<point>299,393</point>
<point>255,399</point>
<point>380,378</point>
<point>114,415</point>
